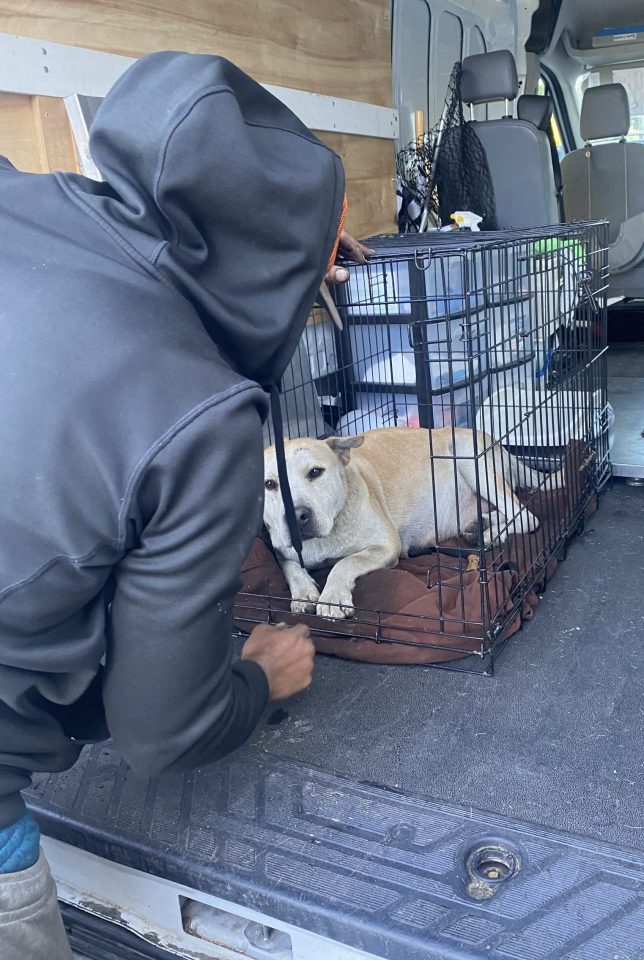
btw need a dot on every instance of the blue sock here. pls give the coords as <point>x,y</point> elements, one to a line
<point>19,845</point>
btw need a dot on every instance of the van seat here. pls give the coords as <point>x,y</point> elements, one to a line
<point>518,152</point>
<point>605,180</point>
<point>537,109</point>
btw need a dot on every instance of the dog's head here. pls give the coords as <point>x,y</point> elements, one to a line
<point>316,477</point>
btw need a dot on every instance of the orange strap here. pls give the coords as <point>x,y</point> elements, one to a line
<point>343,217</point>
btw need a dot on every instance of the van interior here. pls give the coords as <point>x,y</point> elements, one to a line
<point>408,812</point>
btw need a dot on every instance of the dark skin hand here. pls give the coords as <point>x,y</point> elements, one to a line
<point>352,249</point>
<point>285,654</point>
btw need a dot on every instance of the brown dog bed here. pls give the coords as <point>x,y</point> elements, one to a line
<point>432,608</point>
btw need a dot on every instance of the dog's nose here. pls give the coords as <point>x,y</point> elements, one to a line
<point>303,515</point>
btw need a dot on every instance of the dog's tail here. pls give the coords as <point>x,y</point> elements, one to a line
<point>525,477</point>
<point>510,470</point>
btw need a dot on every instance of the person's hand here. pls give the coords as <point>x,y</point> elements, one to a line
<point>285,654</point>
<point>352,249</point>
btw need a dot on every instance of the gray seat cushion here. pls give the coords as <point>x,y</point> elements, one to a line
<point>486,77</point>
<point>605,181</point>
<point>518,156</point>
<point>605,112</point>
<point>535,109</point>
<point>538,110</point>
<point>518,152</point>
<point>606,185</point>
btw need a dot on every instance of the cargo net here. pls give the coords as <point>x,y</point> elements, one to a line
<point>414,166</point>
<point>490,351</point>
<point>449,164</point>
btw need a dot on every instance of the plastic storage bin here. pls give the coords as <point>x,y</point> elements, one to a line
<point>435,286</point>
<point>384,354</point>
<point>454,402</point>
<point>547,419</point>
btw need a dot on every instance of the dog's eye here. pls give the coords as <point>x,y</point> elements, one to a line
<point>270,484</point>
<point>315,472</point>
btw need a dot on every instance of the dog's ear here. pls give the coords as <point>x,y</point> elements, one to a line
<point>344,445</point>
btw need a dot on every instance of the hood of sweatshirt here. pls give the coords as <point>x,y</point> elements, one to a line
<point>214,185</point>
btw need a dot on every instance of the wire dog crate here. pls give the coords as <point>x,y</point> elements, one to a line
<point>499,341</point>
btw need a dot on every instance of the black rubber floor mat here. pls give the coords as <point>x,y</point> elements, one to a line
<point>357,864</point>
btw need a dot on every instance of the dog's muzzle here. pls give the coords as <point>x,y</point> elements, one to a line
<point>306,522</point>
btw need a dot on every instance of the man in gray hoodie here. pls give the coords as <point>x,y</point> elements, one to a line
<point>142,320</point>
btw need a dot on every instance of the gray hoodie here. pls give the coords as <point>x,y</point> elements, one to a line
<point>137,318</point>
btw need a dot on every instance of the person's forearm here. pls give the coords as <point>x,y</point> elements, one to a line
<point>249,698</point>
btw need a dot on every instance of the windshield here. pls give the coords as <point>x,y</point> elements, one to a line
<point>632,79</point>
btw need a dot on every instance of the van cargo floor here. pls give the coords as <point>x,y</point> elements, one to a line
<point>555,737</point>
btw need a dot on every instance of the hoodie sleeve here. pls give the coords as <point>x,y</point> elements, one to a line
<point>172,699</point>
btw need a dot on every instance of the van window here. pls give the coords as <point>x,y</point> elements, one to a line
<point>633,80</point>
<point>447,50</point>
<point>411,38</point>
<point>477,42</point>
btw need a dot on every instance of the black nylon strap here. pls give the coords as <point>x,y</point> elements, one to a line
<point>287,499</point>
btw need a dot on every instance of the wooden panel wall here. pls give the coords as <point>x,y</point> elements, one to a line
<point>35,134</point>
<point>337,47</point>
<point>369,169</point>
<point>334,47</point>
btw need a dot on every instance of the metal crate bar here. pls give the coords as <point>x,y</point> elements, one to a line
<point>496,337</point>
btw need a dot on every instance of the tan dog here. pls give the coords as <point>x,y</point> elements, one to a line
<point>366,501</point>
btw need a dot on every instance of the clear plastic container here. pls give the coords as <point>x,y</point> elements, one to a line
<point>319,340</point>
<point>384,288</point>
<point>454,403</point>
<point>380,410</point>
<point>383,354</point>
<point>512,338</point>
<point>512,416</point>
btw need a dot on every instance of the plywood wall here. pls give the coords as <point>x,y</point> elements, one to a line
<point>338,47</point>
<point>369,169</point>
<point>35,134</point>
<point>335,47</point>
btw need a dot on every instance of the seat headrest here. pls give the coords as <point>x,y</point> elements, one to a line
<point>536,110</point>
<point>605,112</point>
<point>489,76</point>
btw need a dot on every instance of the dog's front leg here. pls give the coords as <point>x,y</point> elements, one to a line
<point>336,600</point>
<point>302,586</point>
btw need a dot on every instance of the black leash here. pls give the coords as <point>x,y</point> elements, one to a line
<point>289,509</point>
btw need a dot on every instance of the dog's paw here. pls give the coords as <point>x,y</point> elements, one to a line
<point>307,598</point>
<point>302,606</point>
<point>522,523</point>
<point>335,605</point>
<point>470,533</point>
<point>334,611</point>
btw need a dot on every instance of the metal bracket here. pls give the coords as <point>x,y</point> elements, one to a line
<point>80,113</point>
<point>37,67</point>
